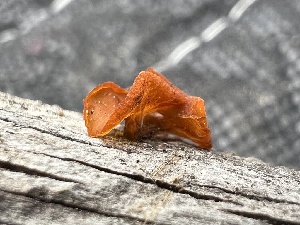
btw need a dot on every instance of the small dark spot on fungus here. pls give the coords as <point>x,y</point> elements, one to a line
<point>151,105</point>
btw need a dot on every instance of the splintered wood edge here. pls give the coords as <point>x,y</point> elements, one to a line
<point>48,161</point>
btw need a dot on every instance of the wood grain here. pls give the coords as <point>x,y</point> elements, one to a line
<point>51,172</point>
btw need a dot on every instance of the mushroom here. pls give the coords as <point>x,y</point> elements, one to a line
<point>152,105</point>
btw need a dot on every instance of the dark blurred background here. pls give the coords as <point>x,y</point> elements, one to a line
<point>242,57</point>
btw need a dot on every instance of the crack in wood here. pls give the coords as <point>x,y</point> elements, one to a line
<point>52,133</point>
<point>68,138</point>
<point>8,223</point>
<point>178,188</point>
<point>81,207</point>
<point>18,168</point>
<point>261,216</point>
<point>249,196</point>
<point>162,184</point>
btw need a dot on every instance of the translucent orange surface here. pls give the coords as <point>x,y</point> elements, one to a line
<point>152,105</point>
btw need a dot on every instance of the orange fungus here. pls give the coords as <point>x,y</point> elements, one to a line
<point>151,106</point>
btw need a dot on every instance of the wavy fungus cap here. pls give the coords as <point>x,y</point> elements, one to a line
<point>152,105</point>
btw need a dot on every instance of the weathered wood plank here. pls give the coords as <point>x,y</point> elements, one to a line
<point>51,172</point>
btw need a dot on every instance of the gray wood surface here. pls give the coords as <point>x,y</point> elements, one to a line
<point>51,172</point>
